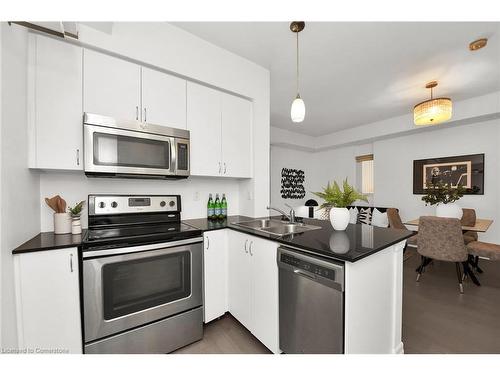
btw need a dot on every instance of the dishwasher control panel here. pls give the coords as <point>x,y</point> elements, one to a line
<point>310,267</point>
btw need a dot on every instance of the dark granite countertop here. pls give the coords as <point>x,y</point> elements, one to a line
<point>356,242</point>
<point>50,241</point>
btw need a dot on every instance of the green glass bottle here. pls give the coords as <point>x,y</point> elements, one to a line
<point>223,205</point>
<point>217,207</point>
<point>210,207</point>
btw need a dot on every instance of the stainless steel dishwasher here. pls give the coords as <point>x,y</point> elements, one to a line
<point>311,303</point>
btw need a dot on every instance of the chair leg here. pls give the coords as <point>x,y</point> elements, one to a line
<point>420,268</point>
<point>468,271</point>
<point>476,265</point>
<point>459,276</point>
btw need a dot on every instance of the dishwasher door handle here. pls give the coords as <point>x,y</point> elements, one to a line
<point>305,274</point>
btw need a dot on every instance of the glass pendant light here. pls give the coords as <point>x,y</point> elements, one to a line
<point>298,110</point>
<point>432,111</point>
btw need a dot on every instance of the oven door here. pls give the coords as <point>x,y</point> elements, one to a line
<point>137,285</point>
<point>121,151</point>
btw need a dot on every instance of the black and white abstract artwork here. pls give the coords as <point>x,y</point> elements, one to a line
<point>292,183</point>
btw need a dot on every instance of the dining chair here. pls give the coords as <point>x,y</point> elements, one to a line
<point>441,239</point>
<point>396,223</point>
<point>469,219</point>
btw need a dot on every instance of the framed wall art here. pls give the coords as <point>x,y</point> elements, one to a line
<point>465,170</point>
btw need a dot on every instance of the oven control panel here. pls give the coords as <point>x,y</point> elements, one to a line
<point>127,204</point>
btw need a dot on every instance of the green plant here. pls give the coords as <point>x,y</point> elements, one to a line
<point>440,192</point>
<point>336,197</point>
<point>77,210</point>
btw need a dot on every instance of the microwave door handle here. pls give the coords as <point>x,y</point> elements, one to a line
<point>173,155</point>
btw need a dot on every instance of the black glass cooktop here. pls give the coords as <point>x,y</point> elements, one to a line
<point>117,236</point>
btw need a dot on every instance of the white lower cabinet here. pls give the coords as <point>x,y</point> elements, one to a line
<point>253,286</point>
<point>215,280</point>
<point>48,300</point>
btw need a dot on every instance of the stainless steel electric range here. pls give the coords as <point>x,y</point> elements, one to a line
<point>142,275</point>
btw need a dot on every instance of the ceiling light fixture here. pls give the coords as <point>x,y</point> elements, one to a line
<point>478,44</point>
<point>298,110</point>
<point>432,111</point>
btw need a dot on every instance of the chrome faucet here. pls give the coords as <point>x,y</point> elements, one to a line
<point>290,216</point>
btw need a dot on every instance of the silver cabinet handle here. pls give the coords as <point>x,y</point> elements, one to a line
<point>220,167</point>
<point>77,156</point>
<point>208,243</point>
<point>71,262</point>
<point>225,168</point>
<point>137,113</point>
<point>250,248</point>
<point>145,114</point>
<point>246,242</point>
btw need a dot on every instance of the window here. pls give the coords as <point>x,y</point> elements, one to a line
<point>365,173</point>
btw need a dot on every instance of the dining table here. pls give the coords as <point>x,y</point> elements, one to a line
<point>481,226</point>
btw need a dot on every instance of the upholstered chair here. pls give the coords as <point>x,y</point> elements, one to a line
<point>441,239</point>
<point>396,223</point>
<point>469,220</point>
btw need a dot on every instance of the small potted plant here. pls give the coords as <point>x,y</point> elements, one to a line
<point>444,197</point>
<point>76,212</point>
<point>337,200</point>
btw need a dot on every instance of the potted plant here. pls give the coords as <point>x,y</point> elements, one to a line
<point>444,197</point>
<point>76,212</point>
<point>337,200</point>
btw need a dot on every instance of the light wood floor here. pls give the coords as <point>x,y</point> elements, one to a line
<point>436,317</point>
<point>225,336</point>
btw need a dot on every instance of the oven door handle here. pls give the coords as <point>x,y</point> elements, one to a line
<point>136,249</point>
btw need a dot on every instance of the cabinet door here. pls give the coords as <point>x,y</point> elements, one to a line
<point>239,278</point>
<point>111,86</point>
<point>48,298</point>
<point>163,99</point>
<point>203,122</point>
<point>215,275</point>
<point>265,300</point>
<point>55,104</point>
<point>236,136</point>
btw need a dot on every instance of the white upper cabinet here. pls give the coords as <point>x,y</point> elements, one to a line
<point>54,104</point>
<point>163,99</point>
<point>236,136</point>
<point>204,124</point>
<point>221,133</point>
<point>214,266</point>
<point>111,86</point>
<point>48,300</point>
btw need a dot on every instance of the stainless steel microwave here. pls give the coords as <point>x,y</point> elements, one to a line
<point>133,149</point>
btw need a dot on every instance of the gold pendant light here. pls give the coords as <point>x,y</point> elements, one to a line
<point>298,110</point>
<point>432,111</point>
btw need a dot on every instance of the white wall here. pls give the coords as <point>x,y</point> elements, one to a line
<point>393,160</point>
<point>20,210</point>
<point>74,187</point>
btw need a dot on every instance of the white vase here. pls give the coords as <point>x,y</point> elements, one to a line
<point>76,226</point>
<point>339,218</point>
<point>62,223</point>
<point>452,210</point>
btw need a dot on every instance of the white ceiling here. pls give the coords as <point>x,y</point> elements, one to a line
<point>354,73</point>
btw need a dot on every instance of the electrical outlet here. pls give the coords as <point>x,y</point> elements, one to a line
<point>196,195</point>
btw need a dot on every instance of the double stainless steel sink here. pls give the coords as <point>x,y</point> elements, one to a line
<point>276,227</point>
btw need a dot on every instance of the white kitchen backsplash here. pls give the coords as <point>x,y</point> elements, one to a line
<point>75,186</point>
